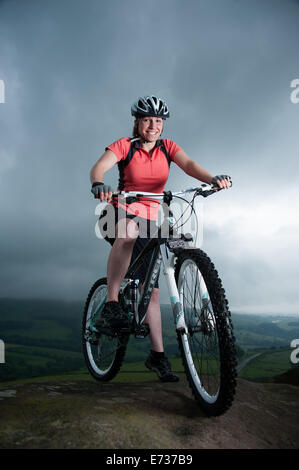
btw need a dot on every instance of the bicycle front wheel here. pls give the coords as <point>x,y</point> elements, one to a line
<point>103,353</point>
<point>208,346</point>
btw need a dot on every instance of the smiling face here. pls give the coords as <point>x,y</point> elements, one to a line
<point>150,128</point>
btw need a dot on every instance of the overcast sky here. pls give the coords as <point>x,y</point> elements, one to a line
<point>71,70</point>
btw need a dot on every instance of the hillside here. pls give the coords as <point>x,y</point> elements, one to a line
<point>291,377</point>
<point>43,337</point>
<point>81,414</point>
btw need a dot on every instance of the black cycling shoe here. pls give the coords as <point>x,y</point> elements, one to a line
<point>112,316</point>
<point>162,367</point>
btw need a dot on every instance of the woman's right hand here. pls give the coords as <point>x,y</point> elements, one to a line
<point>101,191</point>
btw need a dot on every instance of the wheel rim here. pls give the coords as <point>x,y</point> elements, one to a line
<point>100,349</point>
<point>200,344</point>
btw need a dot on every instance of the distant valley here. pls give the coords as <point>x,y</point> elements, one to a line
<point>43,338</point>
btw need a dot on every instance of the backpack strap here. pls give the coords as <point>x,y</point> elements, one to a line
<point>163,149</point>
<point>123,163</point>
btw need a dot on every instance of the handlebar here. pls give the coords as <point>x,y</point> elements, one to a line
<point>204,190</point>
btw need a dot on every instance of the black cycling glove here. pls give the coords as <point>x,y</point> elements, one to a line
<point>98,188</point>
<point>220,177</point>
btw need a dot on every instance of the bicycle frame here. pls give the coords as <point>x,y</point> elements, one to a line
<point>199,305</point>
<point>161,254</point>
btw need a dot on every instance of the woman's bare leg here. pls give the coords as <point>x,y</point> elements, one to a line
<point>117,266</point>
<point>153,319</point>
<point>120,256</point>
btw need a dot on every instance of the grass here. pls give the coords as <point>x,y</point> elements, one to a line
<point>126,374</point>
<point>47,353</point>
<point>268,364</point>
<point>41,329</point>
<point>265,366</point>
<point>44,339</point>
<point>72,376</point>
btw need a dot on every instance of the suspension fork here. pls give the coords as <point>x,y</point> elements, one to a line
<point>168,260</point>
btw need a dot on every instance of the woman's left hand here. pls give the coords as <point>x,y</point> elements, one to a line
<point>223,181</point>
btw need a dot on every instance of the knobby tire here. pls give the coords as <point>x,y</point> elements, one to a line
<point>223,330</point>
<point>120,349</point>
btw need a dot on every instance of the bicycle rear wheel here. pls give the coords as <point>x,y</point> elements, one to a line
<point>208,347</point>
<point>103,353</point>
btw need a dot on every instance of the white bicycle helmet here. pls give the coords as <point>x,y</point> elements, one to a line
<point>150,106</point>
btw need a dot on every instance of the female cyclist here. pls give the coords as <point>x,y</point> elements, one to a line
<point>143,163</point>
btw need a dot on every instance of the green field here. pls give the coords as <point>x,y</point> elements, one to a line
<point>43,338</point>
<point>268,364</point>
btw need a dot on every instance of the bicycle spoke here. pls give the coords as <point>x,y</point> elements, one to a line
<point>103,353</point>
<point>200,321</point>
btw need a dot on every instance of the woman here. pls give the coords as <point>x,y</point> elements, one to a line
<point>143,166</point>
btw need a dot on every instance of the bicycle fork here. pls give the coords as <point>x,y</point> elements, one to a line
<point>168,259</point>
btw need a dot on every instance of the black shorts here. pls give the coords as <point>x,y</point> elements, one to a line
<point>145,227</point>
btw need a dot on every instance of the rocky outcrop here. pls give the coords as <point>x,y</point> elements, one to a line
<point>291,377</point>
<point>144,415</point>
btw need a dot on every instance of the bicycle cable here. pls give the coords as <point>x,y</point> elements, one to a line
<point>190,204</point>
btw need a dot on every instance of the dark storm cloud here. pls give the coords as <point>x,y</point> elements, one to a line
<point>71,70</point>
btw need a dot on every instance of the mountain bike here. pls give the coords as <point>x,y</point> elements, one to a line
<point>201,313</point>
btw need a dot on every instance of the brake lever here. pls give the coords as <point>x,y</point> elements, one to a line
<point>125,200</point>
<point>131,199</point>
<point>208,192</point>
